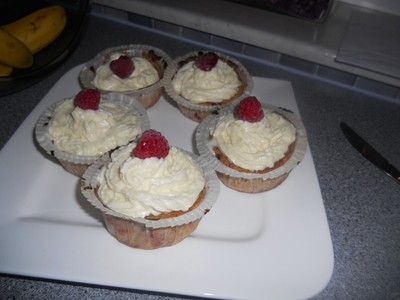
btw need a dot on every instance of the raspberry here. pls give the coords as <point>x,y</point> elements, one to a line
<point>123,67</point>
<point>206,61</point>
<point>151,144</point>
<point>88,99</point>
<point>249,109</point>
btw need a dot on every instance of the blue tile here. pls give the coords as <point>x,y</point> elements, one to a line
<point>167,27</point>
<point>97,9</point>
<point>376,87</point>
<point>262,54</point>
<point>115,13</point>
<point>227,44</point>
<point>297,63</point>
<point>336,75</point>
<point>196,35</point>
<point>140,20</point>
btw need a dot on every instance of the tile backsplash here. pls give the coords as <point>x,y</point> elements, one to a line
<point>291,63</point>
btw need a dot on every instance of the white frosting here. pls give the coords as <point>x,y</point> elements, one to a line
<point>254,146</point>
<point>143,76</point>
<point>197,86</point>
<point>92,132</point>
<point>140,187</point>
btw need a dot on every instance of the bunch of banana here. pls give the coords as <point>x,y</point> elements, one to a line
<point>13,53</point>
<point>33,33</point>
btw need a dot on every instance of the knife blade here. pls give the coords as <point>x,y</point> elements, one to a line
<point>369,152</point>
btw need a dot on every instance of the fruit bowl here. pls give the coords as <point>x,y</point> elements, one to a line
<point>47,59</point>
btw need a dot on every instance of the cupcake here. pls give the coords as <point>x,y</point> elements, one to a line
<point>134,70</point>
<point>151,195</point>
<point>252,146</point>
<point>203,82</point>
<point>78,130</point>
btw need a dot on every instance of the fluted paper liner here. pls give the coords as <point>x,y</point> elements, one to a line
<point>205,143</point>
<point>89,182</point>
<point>205,109</point>
<point>76,164</point>
<point>149,95</point>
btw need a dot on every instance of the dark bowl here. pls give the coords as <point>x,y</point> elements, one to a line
<point>47,59</point>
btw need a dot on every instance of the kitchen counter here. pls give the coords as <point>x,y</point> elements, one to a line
<point>362,204</point>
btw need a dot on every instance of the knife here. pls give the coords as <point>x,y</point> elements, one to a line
<point>369,152</point>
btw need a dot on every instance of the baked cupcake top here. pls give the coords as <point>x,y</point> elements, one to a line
<point>90,124</point>
<point>206,78</point>
<point>253,138</point>
<point>150,178</point>
<point>128,61</point>
<point>122,72</point>
<point>251,115</point>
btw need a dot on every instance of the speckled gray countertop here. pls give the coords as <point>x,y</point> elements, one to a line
<point>362,204</point>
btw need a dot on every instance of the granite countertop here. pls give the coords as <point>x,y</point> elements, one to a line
<point>362,204</point>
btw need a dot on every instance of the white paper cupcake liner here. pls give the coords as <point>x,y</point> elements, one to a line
<point>87,73</point>
<point>205,144</point>
<point>50,148</point>
<point>89,182</point>
<point>173,67</point>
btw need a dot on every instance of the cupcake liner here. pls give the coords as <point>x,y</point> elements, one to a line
<point>77,164</point>
<point>257,185</point>
<point>139,236</point>
<point>147,96</point>
<point>190,109</point>
<point>89,182</point>
<point>204,145</point>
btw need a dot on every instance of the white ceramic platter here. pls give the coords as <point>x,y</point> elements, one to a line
<point>273,245</point>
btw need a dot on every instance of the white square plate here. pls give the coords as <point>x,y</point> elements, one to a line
<point>273,245</point>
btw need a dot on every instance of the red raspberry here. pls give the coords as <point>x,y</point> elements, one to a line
<point>88,99</point>
<point>206,61</point>
<point>249,109</point>
<point>123,67</point>
<point>151,144</point>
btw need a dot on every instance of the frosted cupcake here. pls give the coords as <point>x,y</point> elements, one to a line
<point>151,195</point>
<point>253,147</point>
<point>203,82</point>
<point>134,70</point>
<point>78,130</point>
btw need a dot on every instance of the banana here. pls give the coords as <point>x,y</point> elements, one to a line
<point>40,28</point>
<point>13,53</point>
<point>5,70</point>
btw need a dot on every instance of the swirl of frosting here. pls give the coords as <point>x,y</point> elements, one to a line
<point>197,86</point>
<point>92,132</point>
<point>254,146</point>
<point>143,76</point>
<point>141,187</point>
